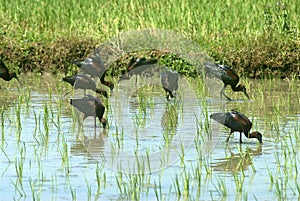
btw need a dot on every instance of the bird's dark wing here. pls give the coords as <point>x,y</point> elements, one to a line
<point>230,73</point>
<point>84,105</point>
<point>244,123</point>
<point>85,82</point>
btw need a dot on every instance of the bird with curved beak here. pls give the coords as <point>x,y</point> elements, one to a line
<point>236,121</point>
<point>94,66</point>
<point>227,75</point>
<point>90,106</point>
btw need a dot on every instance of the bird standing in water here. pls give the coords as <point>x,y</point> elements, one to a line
<point>94,66</point>
<point>227,75</point>
<point>236,121</point>
<point>169,81</point>
<point>90,106</point>
<point>6,75</point>
<point>84,82</point>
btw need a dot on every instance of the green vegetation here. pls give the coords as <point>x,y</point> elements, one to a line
<point>257,38</point>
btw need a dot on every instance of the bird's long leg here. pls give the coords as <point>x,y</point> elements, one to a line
<point>223,93</point>
<point>241,137</point>
<point>19,82</point>
<point>95,124</point>
<point>229,136</point>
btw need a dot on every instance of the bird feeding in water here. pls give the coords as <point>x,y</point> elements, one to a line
<point>94,66</point>
<point>84,82</point>
<point>169,81</point>
<point>90,106</point>
<point>227,75</point>
<point>6,75</point>
<point>236,121</point>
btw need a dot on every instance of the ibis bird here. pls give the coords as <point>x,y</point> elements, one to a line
<point>5,74</point>
<point>84,82</point>
<point>94,66</point>
<point>227,75</point>
<point>90,106</point>
<point>169,81</point>
<point>236,121</point>
<point>134,63</point>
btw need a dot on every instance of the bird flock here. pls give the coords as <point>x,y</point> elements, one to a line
<point>93,67</point>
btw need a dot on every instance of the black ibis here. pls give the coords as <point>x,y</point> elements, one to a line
<point>94,66</point>
<point>169,81</point>
<point>236,121</point>
<point>90,106</point>
<point>84,82</point>
<point>134,63</point>
<point>5,74</point>
<point>227,75</point>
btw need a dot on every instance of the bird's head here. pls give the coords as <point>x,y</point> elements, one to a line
<point>243,89</point>
<point>104,122</point>
<point>111,85</point>
<point>174,94</point>
<point>257,135</point>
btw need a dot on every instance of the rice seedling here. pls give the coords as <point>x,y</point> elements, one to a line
<point>221,188</point>
<point>65,156</point>
<point>73,193</point>
<point>19,167</point>
<point>157,191</point>
<point>100,178</point>
<point>239,182</point>
<point>89,190</point>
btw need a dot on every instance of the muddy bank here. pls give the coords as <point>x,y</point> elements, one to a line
<point>256,58</point>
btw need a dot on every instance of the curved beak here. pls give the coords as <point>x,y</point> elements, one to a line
<point>19,82</point>
<point>246,95</point>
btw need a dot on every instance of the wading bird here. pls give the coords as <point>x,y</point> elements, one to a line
<point>227,75</point>
<point>90,106</point>
<point>236,122</point>
<point>134,63</point>
<point>6,75</point>
<point>169,81</point>
<point>94,66</point>
<point>84,82</point>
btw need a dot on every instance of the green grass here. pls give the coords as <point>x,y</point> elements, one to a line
<point>257,38</point>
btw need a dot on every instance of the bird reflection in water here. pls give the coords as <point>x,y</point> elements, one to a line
<point>237,161</point>
<point>91,146</point>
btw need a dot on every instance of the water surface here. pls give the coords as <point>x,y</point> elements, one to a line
<point>151,146</point>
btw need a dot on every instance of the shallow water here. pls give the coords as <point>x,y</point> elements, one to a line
<point>48,153</point>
